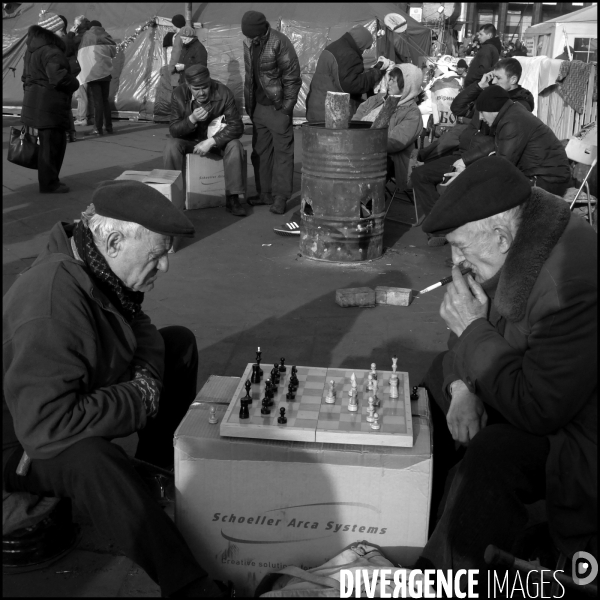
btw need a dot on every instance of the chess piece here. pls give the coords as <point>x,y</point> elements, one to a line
<point>371,377</point>
<point>370,410</point>
<point>374,388</point>
<point>270,389</point>
<point>353,404</point>
<point>393,387</point>
<point>265,407</point>
<point>353,389</point>
<point>244,412</point>
<point>248,395</point>
<point>294,370</point>
<point>375,424</point>
<point>415,393</point>
<point>258,359</point>
<point>282,420</point>
<point>255,378</point>
<point>394,363</point>
<point>294,381</point>
<point>282,368</point>
<point>212,419</point>
<point>290,395</point>
<point>275,373</point>
<point>330,398</point>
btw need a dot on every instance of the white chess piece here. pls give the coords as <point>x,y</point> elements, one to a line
<point>394,387</point>
<point>375,424</point>
<point>370,410</point>
<point>353,404</point>
<point>330,398</point>
<point>394,363</point>
<point>375,387</point>
<point>353,388</point>
<point>213,416</point>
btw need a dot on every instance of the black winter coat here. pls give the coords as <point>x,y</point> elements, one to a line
<point>487,56</point>
<point>47,81</point>
<point>340,69</point>
<point>525,141</point>
<point>192,54</point>
<point>220,102</point>
<point>72,42</point>
<point>279,72</point>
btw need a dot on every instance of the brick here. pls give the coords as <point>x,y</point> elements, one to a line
<point>363,296</point>
<point>393,296</point>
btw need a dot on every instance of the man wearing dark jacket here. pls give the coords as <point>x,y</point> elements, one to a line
<point>469,131</point>
<point>271,86</point>
<point>193,106</point>
<point>486,56</point>
<point>517,388</point>
<point>48,85</point>
<point>341,69</point>
<point>193,52</point>
<point>83,365</point>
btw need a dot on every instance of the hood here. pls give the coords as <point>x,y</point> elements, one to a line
<point>362,36</point>
<point>520,93</point>
<point>37,37</point>
<point>413,80</point>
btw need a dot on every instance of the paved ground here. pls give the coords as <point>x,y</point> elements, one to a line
<point>237,285</point>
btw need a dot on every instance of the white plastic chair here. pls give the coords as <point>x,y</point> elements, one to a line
<point>589,156</point>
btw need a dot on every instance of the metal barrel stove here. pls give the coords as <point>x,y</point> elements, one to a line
<point>343,192</point>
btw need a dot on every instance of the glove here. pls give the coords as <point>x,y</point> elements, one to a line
<point>149,388</point>
<point>385,63</point>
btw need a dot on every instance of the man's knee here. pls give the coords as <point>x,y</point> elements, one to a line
<point>175,145</point>
<point>233,147</point>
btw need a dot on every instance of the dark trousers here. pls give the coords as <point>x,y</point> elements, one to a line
<point>426,177</point>
<point>98,90</point>
<point>550,186</point>
<point>272,151</point>
<point>480,491</point>
<point>233,155</point>
<point>51,153</point>
<point>100,479</point>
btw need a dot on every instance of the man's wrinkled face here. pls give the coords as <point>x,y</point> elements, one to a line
<point>200,94</point>
<point>138,261</point>
<point>503,80</point>
<point>478,250</point>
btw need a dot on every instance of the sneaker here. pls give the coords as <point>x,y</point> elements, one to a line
<point>291,228</point>
<point>94,132</point>
<point>82,123</point>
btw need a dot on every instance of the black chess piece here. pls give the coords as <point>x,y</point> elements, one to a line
<point>244,412</point>
<point>290,395</point>
<point>255,378</point>
<point>282,368</point>
<point>269,393</point>
<point>258,359</point>
<point>265,410</point>
<point>275,374</point>
<point>248,396</point>
<point>282,420</point>
<point>294,382</point>
<point>294,370</point>
<point>415,393</point>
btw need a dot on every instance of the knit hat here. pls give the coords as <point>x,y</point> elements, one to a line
<point>488,187</point>
<point>178,21</point>
<point>254,23</point>
<point>187,31</point>
<point>492,99</point>
<point>362,36</point>
<point>462,64</point>
<point>51,21</point>
<point>137,202</point>
<point>64,20</point>
<point>197,75</point>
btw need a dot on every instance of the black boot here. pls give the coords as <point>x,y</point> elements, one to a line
<point>232,205</point>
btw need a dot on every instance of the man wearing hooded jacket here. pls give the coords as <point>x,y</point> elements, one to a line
<point>341,69</point>
<point>487,56</point>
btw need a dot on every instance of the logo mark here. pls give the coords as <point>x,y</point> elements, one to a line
<point>584,569</point>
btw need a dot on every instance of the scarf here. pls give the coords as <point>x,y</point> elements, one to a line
<point>127,302</point>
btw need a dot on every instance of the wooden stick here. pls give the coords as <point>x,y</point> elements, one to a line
<point>386,112</point>
<point>337,110</point>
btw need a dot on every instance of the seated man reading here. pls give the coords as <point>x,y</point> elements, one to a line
<point>83,365</point>
<point>194,105</point>
<point>518,386</point>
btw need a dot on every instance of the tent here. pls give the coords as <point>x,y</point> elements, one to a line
<point>136,70</point>
<point>580,27</point>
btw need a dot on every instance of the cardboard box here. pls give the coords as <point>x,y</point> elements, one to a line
<point>394,296</point>
<point>205,181</point>
<point>168,183</point>
<point>248,507</point>
<point>363,296</point>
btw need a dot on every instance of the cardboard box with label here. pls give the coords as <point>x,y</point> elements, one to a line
<point>248,507</point>
<point>205,181</point>
<point>168,183</point>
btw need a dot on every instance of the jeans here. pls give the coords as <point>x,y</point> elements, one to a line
<point>234,161</point>
<point>51,153</point>
<point>272,151</point>
<point>98,91</point>
<point>82,103</point>
<point>100,479</point>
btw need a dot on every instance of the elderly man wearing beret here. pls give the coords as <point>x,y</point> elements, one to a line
<point>515,396</point>
<point>193,106</point>
<point>84,365</point>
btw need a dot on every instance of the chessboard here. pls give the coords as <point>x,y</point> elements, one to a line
<point>311,419</point>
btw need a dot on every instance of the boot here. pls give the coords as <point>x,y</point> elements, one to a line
<point>232,205</point>
<point>261,198</point>
<point>278,207</point>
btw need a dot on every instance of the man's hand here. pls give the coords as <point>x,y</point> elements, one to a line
<point>199,114</point>
<point>203,147</point>
<point>486,80</point>
<point>460,307</point>
<point>385,63</point>
<point>466,415</point>
<point>149,389</point>
<point>179,67</point>
<point>459,165</point>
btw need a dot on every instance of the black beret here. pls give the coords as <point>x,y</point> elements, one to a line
<point>137,202</point>
<point>488,187</point>
<point>492,99</point>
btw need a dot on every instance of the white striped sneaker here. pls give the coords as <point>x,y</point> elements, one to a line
<point>291,228</point>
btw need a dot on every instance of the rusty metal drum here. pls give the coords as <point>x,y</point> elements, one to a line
<point>343,192</point>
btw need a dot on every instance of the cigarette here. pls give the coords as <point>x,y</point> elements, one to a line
<point>444,281</point>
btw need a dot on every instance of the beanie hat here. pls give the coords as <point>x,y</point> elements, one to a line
<point>178,21</point>
<point>51,21</point>
<point>488,187</point>
<point>492,99</point>
<point>462,64</point>
<point>254,23</point>
<point>187,31</point>
<point>197,75</point>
